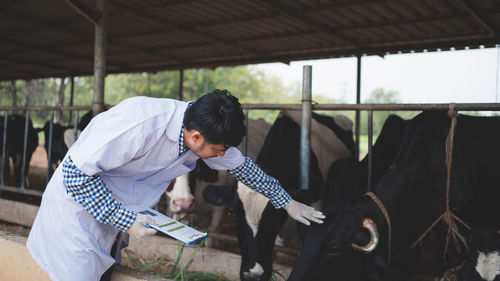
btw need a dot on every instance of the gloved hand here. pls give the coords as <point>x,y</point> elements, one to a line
<point>303,213</point>
<point>139,228</point>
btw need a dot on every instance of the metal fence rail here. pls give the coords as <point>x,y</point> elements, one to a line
<point>27,110</point>
<point>370,108</point>
<point>246,107</point>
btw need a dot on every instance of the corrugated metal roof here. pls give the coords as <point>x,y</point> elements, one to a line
<point>49,38</point>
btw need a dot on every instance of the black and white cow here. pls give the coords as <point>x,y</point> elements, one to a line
<point>15,145</point>
<point>483,263</point>
<point>185,196</point>
<point>258,222</point>
<point>413,191</point>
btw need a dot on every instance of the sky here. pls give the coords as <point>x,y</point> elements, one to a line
<point>460,76</point>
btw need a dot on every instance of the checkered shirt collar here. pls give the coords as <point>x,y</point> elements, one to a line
<point>182,147</point>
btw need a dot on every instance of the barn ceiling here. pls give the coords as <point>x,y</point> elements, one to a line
<point>55,38</point>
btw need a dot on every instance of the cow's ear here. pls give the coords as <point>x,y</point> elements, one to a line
<point>218,195</point>
<point>171,185</point>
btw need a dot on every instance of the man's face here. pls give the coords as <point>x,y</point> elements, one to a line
<point>207,150</point>
<point>199,146</point>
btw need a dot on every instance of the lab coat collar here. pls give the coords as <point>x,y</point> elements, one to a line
<point>174,125</point>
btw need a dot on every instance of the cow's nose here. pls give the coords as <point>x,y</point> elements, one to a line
<point>182,204</point>
<point>252,276</point>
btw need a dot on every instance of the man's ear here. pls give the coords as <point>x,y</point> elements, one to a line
<point>196,136</point>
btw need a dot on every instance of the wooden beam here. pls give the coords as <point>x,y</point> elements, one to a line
<point>281,8</point>
<point>20,63</point>
<point>72,32</point>
<point>462,4</point>
<point>83,10</point>
<point>167,25</point>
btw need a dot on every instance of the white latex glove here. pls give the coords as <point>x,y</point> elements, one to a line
<point>303,213</point>
<point>139,228</point>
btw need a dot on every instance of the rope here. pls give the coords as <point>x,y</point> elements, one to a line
<point>387,219</point>
<point>452,273</point>
<point>448,217</point>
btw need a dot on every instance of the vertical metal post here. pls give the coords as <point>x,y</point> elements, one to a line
<point>305,129</point>
<point>358,101</point>
<point>71,96</point>
<point>181,84</point>
<point>75,126</point>
<point>49,150</point>
<point>25,148</point>
<point>100,48</point>
<point>370,146</point>
<point>245,138</point>
<point>4,145</point>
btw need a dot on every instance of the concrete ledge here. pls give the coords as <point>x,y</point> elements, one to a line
<point>204,259</point>
<point>17,212</point>
<point>17,264</point>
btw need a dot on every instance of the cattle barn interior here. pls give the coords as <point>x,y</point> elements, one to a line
<point>42,39</point>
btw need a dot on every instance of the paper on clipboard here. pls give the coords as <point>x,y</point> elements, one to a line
<point>171,227</point>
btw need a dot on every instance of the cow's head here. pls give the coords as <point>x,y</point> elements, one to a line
<point>346,246</point>
<point>180,191</point>
<point>180,198</point>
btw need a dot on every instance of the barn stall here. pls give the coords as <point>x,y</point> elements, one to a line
<point>78,38</point>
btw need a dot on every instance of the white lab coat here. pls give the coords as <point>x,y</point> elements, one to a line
<point>134,147</point>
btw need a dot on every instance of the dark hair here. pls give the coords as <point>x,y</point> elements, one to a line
<point>218,117</point>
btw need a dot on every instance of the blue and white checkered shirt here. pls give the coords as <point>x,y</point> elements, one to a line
<point>91,191</point>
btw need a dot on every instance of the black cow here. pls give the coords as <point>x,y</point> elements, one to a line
<point>15,145</point>
<point>85,120</point>
<point>413,193</point>
<point>63,137</point>
<point>258,222</point>
<point>59,147</point>
<point>348,178</point>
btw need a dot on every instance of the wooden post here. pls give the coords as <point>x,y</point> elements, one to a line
<point>100,49</point>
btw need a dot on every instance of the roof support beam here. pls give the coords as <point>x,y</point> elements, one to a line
<point>20,63</point>
<point>281,8</point>
<point>462,4</point>
<point>168,26</point>
<point>83,10</point>
<point>100,58</point>
<point>56,48</point>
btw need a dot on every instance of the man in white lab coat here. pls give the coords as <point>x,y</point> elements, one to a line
<point>127,156</point>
